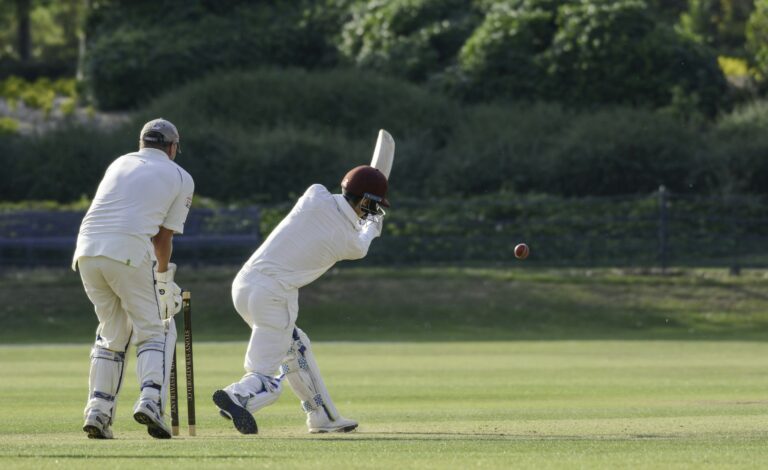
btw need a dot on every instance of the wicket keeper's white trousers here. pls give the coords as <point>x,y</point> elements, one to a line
<point>271,312</point>
<point>125,301</point>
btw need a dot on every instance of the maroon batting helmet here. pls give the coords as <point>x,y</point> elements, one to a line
<point>366,182</point>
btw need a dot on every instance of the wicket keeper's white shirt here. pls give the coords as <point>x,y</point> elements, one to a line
<point>321,229</point>
<point>140,192</point>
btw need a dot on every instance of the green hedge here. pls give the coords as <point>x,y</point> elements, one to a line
<point>137,60</point>
<point>615,231</point>
<point>579,52</point>
<point>265,135</point>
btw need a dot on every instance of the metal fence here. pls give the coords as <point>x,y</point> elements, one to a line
<point>47,238</point>
<point>654,230</point>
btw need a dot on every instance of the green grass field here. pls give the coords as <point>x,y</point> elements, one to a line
<point>443,367</point>
<point>547,404</point>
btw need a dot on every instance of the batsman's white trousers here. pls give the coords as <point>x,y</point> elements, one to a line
<point>125,301</point>
<point>271,311</point>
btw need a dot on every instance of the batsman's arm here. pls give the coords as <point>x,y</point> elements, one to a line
<point>163,243</point>
<point>364,238</point>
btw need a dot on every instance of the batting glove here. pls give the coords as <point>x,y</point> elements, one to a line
<point>168,293</point>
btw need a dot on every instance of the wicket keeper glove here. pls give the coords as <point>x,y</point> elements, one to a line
<point>168,293</point>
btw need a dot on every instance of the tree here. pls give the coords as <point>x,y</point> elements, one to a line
<point>719,24</point>
<point>506,54</point>
<point>23,32</point>
<point>415,39</point>
<point>40,37</point>
<point>609,51</point>
<point>757,36</point>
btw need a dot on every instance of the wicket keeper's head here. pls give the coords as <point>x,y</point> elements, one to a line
<point>160,134</point>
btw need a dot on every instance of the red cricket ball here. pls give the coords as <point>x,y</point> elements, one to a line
<point>522,251</point>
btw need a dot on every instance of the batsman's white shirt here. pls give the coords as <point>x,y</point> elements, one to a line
<point>140,192</point>
<point>321,229</point>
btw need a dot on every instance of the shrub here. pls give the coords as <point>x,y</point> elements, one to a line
<point>622,151</point>
<point>719,24</point>
<point>497,148</point>
<point>413,39</point>
<point>265,135</point>
<point>8,125</point>
<point>139,60</point>
<point>10,154</point>
<point>66,163</point>
<point>241,117</point>
<point>741,144</point>
<point>354,102</point>
<point>38,94</point>
<point>757,37</point>
<point>505,54</point>
<point>614,52</point>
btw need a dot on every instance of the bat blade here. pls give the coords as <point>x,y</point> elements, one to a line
<point>384,153</point>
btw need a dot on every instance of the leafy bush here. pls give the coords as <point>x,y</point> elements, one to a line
<point>10,153</point>
<point>740,143</point>
<point>38,94</point>
<point>64,164</point>
<point>586,53</point>
<point>606,152</point>
<point>719,24</point>
<point>505,54</point>
<point>614,52</point>
<point>330,116</point>
<point>8,125</point>
<point>352,101</point>
<point>495,148</point>
<point>757,37</point>
<point>266,135</point>
<point>139,60</point>
<point>413,39</point>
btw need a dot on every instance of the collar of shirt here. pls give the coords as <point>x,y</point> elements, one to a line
<point>153,153</point>
<point>347,211</point>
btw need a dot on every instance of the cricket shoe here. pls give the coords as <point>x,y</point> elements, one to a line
<point>97,425</point>
<point>319,422</point>
<point>147,412</point>
<point>232,406</point>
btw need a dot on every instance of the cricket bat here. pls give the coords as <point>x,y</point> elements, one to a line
<point>384,153</point>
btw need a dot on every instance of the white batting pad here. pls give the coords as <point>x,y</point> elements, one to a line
<point>105,379</point>
<point>154,359</point>
<point>303,374</point>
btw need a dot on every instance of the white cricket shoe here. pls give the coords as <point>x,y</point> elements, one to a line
<point>97,425</point>
<point>147,412</point>
<point>318,422</point>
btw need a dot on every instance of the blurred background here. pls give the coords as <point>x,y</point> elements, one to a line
<point>609,135</point>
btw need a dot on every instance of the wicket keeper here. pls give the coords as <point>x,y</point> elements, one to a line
<point>321,229</point>
<point>123,254</point>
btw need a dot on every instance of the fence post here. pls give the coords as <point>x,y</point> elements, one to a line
<point>663,228</point>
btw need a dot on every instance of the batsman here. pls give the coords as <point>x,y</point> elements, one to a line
<point>123,254</point>
<point>320,230</point>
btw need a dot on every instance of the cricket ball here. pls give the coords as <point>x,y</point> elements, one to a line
<point>522,251</point>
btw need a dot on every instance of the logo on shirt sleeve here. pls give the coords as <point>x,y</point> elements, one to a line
<point>188,202</point>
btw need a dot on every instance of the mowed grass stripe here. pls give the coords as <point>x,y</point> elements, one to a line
<point>548,404</point>
<point>434,304</point>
